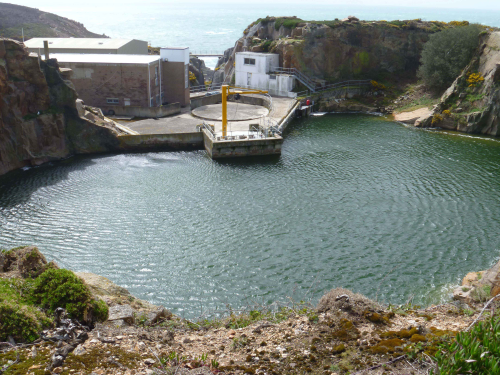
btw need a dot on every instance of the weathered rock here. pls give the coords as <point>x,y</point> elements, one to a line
<point>39,121</point>
<point>122,312</point>
<point>26,262</point>
<point>102,286</point>
<point>157,314</point>
<point>476,284</point>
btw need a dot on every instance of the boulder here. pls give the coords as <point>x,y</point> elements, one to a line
<point>157,314</point>
<point>122,312</point>
<point>102,286</point>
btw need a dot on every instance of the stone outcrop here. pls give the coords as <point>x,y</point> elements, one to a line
<point>124,309</point>
<point>39,121</point>
<point>23,262</point>
<point>479,286</point>
<point>472,103</point>
<point>332,51</point>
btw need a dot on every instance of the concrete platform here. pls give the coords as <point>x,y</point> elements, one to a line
<point>235,112</point>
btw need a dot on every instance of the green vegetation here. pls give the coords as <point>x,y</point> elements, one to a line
<point>425,101</point>
<point>62,288</point>
<point>446,54</point>
<point>474,352</point>
<point>19,318</point>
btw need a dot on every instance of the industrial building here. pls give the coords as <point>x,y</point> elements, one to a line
<point>89,45</point>
<point>256,70</point>
<point>130,85</point>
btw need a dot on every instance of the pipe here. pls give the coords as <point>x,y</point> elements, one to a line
<point>46,49</point>
<point>149,85</point>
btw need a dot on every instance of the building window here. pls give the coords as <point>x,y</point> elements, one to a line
<point>249,62</point>
<point>272,76</point>
<point>158,99</point>
<point>113,101</point>
<point>156,75</point>
<point>186,77</point>
<point>152,102</point>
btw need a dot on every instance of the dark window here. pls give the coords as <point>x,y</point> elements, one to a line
<point>249,62</point>
<point>113,101</point>
<point>272,76</point>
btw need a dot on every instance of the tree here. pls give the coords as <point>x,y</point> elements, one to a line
<point>446,54</point>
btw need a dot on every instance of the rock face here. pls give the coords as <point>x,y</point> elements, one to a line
<point>39,121</point>
<point>472,103</point>
<point>335,50</point>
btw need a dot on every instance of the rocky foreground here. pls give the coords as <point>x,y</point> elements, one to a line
<point>344,333</point>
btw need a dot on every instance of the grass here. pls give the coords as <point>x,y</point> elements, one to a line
<point>423,102</point>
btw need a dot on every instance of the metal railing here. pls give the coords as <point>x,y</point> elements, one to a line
<point>305,80</point>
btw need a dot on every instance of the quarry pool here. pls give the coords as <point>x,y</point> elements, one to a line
<point>353,201</point>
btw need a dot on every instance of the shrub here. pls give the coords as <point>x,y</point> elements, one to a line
<point>474,79</point>
<point>446,54</point>
<point>62,288</point>
<point>474,352</point>
<point>436,119</point>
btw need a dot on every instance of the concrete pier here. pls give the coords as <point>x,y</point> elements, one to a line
<point>184,131</point>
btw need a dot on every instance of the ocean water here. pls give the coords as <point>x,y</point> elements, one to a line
<point>215,26</point>
<point>353,201</point>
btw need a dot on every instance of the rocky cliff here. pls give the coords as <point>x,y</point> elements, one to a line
<point>36,23</point>
<point>331,51</point>
<point>39,120</point>
<point>472,103</point>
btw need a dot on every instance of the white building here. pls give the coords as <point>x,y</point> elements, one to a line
<point>256,71</point>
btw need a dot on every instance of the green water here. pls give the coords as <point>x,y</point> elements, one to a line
<point>353,201</point>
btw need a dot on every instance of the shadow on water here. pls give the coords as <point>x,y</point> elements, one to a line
<point>250,161</point>
<point>16,187</point>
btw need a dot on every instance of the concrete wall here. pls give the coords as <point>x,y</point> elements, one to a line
<point>167,142</point>
<point>134,47</point>
<point>151,112</point>
<point>205,100</point>
<point>174,83</point>
<point>95,83</point>
<point>175,54</point>
<point>239,148</point>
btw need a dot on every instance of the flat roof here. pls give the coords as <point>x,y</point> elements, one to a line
<point>103,59</point>
<point>79,43</point>
<point>255,53</point>
<point>174,48</point>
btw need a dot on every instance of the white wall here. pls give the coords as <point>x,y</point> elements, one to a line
<point>175,54</point>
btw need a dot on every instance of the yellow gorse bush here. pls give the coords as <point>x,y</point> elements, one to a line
<point>436,119</point>
<point>192,77</point>
<point>446,113</point>
<point>378,86</point>
<point>474,79</point>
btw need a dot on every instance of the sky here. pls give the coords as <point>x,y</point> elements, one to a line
<point>465,4</point>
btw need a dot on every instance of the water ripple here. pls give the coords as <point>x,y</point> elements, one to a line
<point>366,204</point>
